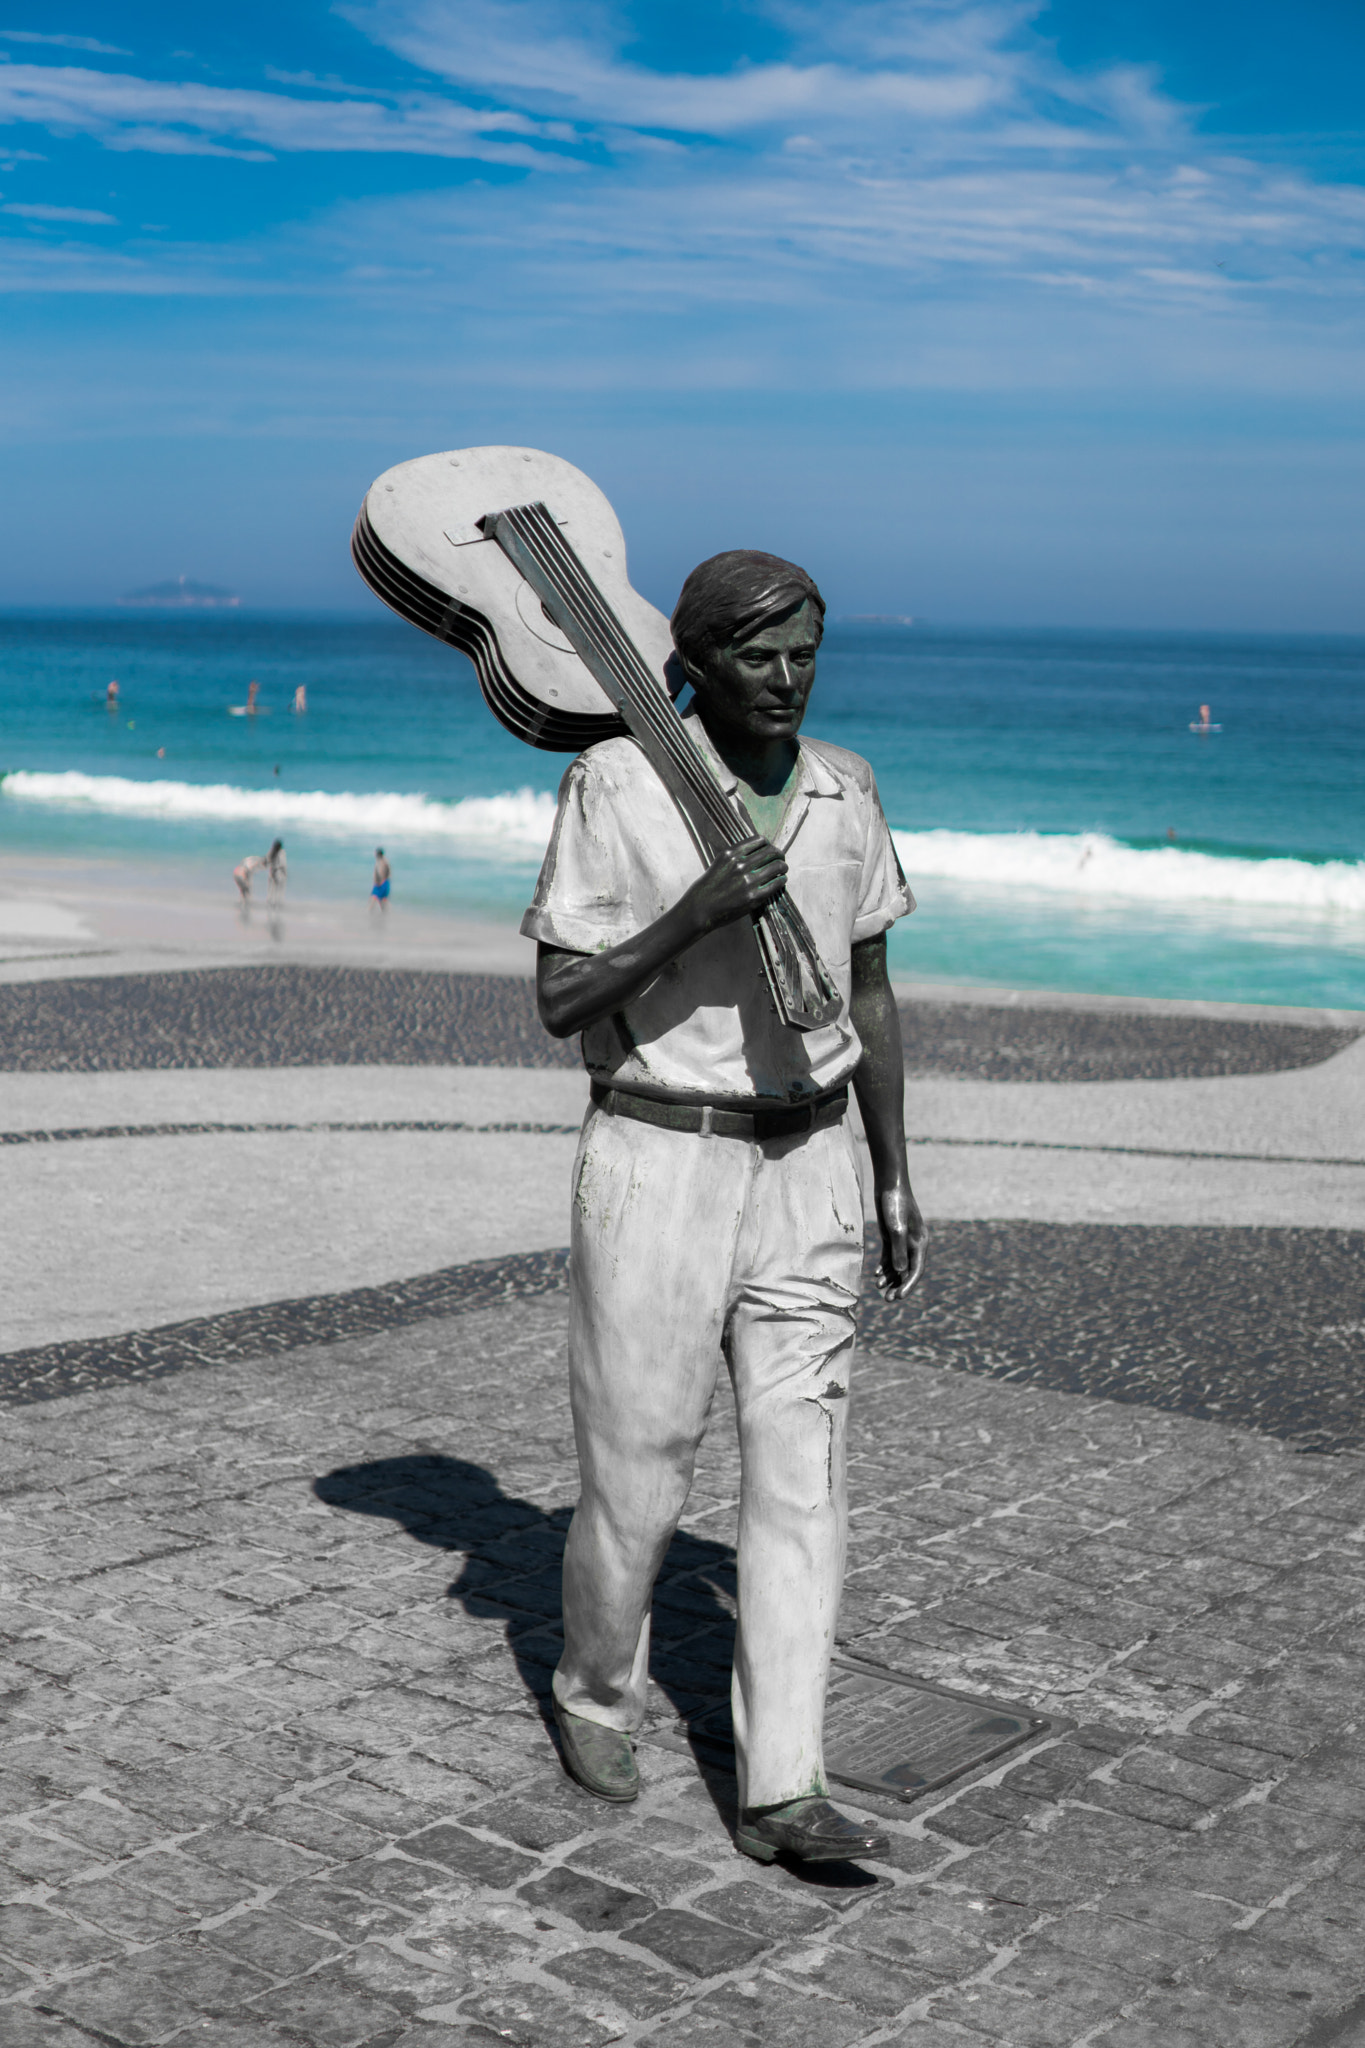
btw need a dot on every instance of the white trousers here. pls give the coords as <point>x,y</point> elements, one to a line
<point>686,1249</point>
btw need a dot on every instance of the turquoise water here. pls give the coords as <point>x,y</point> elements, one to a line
<point>1033,779</point>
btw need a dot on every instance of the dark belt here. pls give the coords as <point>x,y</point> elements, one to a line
<point>705,1118</point>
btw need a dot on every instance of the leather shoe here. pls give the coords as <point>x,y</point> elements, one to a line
<point>601,1759</point>
<point>810,1829</point>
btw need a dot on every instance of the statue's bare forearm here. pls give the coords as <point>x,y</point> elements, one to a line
<point>879,1084</point>
<point>576,990</point>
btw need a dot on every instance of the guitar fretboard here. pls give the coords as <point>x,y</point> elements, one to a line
<point>798,980</point>
<point>535,543</point>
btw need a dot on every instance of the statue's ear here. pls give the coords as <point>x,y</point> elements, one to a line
<point>677,675</point>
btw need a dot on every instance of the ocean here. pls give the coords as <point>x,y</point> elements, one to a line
<point>1060,823</point>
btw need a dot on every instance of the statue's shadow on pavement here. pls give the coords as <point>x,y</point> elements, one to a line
<point>512,1553</point>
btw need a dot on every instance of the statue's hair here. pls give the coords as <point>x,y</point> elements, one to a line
<point>731,596</point>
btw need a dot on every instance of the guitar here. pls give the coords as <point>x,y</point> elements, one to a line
<point>516,558</point>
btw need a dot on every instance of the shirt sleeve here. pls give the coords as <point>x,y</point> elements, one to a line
<point>885,893</point>
<point>583,897</point>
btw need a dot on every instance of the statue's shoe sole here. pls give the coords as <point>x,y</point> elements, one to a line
<point>750,1843</point>
<point>617,1794</point>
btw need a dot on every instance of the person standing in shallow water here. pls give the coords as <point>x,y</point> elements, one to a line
<point>717,1209</point>
<point>277,870</point>
<point>383,875</point>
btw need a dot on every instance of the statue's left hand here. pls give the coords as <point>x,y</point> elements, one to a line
<point>904,1235</point>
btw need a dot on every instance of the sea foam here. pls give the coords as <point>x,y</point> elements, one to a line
<point>1090,864</point>
<point>516,826</point>
<point>516,823</point>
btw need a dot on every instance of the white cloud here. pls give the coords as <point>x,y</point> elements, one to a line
<point>903,155</point>
<point>86,43</point>
<point>77,215</point>
<point>899,144</point>
<point>126,113</point>
<point>543,53</point>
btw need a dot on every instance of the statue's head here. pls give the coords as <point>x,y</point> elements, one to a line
<point>747,627</point>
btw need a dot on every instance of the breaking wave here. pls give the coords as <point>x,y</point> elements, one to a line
<point>1091,864</point>
<point>516,825</point>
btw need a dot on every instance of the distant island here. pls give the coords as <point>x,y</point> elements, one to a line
<point>182,594</point>
<point>875,619</point>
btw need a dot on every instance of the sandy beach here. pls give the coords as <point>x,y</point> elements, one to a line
<point>56,912</point>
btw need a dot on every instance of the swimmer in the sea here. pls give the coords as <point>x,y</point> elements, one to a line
<point>382,878</point>
<point>301,698</point>
<point>253,691</point>
<point>111,696</point>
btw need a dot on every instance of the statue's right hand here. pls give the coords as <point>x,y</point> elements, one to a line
<point>737,883</point>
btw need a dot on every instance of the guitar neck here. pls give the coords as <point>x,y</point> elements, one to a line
<point>801,986</point>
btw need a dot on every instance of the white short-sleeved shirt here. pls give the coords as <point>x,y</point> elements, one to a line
<point>705,1028</point>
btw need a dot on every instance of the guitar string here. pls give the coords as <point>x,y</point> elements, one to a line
<point>777,942</point>
<point>534,524</point>
<point>667,726</point>
<point>609,639</point>
<point>606,636</point>
<point>569,580</point>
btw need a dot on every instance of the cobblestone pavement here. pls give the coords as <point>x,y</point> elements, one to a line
<point>277,1768</point>
<point>290,1016</point>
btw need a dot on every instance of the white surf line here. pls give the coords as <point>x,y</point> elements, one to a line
<point>517,824</point>
<point>195,1130</point>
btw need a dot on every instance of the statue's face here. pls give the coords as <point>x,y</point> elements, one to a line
<point>760,686</point>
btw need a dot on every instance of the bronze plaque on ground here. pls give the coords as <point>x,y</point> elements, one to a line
<point>884,1731</point>
<point>888,1733</point>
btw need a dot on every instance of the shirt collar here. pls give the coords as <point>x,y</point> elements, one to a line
<point>813,777</point>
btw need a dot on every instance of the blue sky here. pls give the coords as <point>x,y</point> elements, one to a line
<point>988,312</point>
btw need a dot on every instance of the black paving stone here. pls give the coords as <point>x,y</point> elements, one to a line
<point>986,1042</point>
<point>688,1942</point>
<point>85,1133</point>
<point>1263,1328</point>
<point>284,1016</point>
<point>51,1370</point>
<point>596,1907</point>
<point>294,1016</point>
<point>641,1991</point>
<point>478,1862</point>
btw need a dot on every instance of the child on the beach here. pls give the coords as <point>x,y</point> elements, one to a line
<point>243,872</point>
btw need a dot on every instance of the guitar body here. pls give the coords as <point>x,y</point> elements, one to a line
<point>516,558</point>
<point>419,546</point>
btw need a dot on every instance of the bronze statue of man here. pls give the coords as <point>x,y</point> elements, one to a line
<point>717,1209</point>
